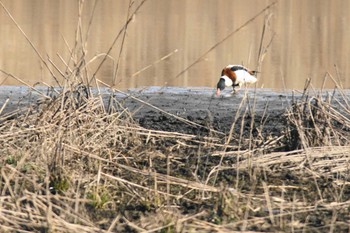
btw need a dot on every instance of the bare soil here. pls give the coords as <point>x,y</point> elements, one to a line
<point>198,104</point>
<point>203,107</point>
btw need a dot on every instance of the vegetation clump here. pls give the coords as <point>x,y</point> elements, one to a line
<point>74,162</point>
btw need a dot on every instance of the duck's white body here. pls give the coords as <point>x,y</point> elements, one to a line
<point>235,75</point>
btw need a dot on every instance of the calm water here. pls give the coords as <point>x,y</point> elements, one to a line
<point>309,39</point>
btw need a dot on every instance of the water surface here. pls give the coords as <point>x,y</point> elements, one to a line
<point>309,39</point>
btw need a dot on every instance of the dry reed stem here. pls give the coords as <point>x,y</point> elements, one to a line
<point>227,37</point>
<point>116,69</point>
<point>159,109</point>
<point>30,42</point>
<point>25,83</point>
<point>154,63</point>
<point>4,105</point>
<point>124,28</point>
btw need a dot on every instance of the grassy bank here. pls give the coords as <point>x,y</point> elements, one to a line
<point>72,163</point>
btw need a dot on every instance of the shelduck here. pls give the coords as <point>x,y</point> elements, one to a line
<point>235,75</point>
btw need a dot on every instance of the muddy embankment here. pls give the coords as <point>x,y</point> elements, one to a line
<point>206,179</point>
<point>193,110</point>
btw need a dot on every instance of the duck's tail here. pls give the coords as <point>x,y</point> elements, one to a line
<point>250,79</point>
<point>253,72</point>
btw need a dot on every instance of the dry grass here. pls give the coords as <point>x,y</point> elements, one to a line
<point>73,163</point>
<point>70,165</point>
<point>319,120</point>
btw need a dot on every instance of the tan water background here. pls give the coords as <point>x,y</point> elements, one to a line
<point>308,39</point>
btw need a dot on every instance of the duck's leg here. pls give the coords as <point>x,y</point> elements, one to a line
<point>233,88</point>
<point>240,86</point>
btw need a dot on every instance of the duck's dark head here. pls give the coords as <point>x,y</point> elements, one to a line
<point>220,86</point>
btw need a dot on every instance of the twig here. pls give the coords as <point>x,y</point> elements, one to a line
<point>225,38</point>
<point>4,105</point>
<point>154,63</point>
<point>122,44</point>
<point>30,42</point>
<point>116,38</point>
<point>23,82</point>
<point>161,110</point>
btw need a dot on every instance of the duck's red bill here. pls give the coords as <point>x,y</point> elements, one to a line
<point>218,91</point>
